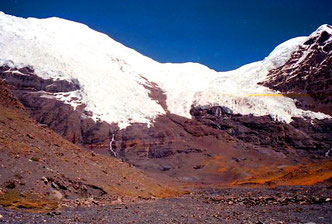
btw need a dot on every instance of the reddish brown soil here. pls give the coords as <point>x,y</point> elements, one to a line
<point>37,163</point>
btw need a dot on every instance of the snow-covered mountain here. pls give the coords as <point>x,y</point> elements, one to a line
<point>115,81</point>
<point>185,120</point>
<point>306,76</point>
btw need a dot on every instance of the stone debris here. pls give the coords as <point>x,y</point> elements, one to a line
<point>269,200</point>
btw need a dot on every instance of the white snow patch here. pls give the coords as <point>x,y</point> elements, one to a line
<point>72,98</point>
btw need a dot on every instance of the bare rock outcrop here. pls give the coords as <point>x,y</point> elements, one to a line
<point>307,75</point>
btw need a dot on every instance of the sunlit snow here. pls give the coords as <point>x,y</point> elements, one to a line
<point>110,74</point>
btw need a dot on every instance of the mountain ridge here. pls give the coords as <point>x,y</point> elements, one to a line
<point>182,120</point>
<point>58,55</point>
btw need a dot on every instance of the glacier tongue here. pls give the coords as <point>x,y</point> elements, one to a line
<point>111,75</point>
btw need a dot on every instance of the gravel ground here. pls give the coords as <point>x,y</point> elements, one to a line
<point>281,205</point>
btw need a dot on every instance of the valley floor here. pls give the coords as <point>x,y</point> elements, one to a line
<point>236,205</point>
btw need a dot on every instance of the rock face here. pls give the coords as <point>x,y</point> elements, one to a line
<point>215,146</point>
<point>39,96</point>
<point>25,79</point>
<point>307,75</point>
<point>39,168</point>
<point>307,136</point>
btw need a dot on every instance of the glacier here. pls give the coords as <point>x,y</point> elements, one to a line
<point>112,76</point>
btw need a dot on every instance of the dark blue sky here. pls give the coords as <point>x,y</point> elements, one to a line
<point>222,34</point>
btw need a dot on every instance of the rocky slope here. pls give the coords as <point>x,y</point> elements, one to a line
<point>40,170</point>
<point>235,205</point>
<point>307,75</point>
<point>184,120</point>
<point>40,97</point>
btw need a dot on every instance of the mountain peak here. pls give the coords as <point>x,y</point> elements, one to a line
<point>113,79</point>
<point>324,27</point>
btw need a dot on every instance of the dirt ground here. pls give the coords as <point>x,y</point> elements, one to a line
<point>231,205</point>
